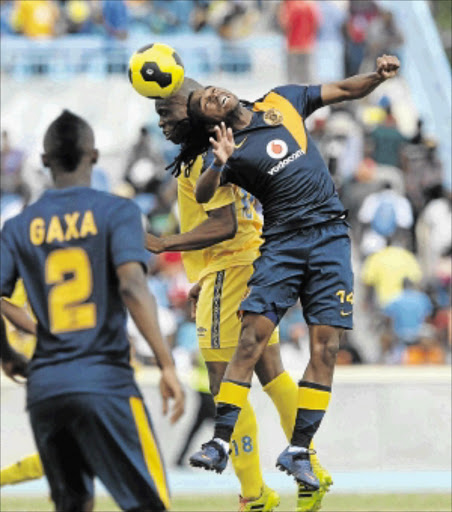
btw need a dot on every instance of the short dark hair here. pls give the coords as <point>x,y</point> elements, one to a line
<point>67,139</point>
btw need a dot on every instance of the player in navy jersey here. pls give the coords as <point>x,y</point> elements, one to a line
<point>265,148</point>
<point>81,255</point>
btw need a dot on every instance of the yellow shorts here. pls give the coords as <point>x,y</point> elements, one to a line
<point>217,323</point>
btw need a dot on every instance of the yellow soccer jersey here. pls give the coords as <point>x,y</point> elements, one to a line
<point>243,249</point>
<point>19,340</point>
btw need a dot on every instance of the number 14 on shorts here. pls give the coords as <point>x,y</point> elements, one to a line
<point>345,297</point>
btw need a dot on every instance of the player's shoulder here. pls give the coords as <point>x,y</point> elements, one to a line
<point>113,203</point>
<point>192,172</point>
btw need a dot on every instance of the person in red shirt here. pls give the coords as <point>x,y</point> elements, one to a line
<point>300,20</point>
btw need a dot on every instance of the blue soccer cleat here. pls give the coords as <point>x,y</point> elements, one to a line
<point>212,457</point>
<point>296,462</point>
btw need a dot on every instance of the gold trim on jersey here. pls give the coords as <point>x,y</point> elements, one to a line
<point>291,119</point>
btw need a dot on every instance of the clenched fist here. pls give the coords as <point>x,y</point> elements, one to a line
<point>387,66</point>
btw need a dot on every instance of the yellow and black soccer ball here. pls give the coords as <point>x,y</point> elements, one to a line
<point>156,71</point>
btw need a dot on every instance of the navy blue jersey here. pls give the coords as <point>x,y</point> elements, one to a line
<point>66,247</point>
<point>277,161</point>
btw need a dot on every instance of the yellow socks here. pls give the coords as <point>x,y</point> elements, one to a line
<point>284,393</point>
<point>29,468</point>
<point>245,453</point>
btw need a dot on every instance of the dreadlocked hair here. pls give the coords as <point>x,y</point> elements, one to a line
<point>196,143</point>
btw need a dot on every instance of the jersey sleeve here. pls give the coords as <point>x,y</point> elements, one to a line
<point>305,98</point>
<point>224,194</point>
<point>8,268</point>
<point>126,234</point>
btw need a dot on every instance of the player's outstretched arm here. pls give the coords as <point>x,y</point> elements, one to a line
<point>13,363</point>
<point>359,86</point>
<point>18,317</point>
<point>222,148</point>
<point>221,225</point>
<point>141,304</point>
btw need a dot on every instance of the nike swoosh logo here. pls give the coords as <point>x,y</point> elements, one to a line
<point>343,313</point>
<point>240,144</point>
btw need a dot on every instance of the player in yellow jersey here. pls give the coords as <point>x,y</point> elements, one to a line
<point>21,331</point>
<point>220,240</point>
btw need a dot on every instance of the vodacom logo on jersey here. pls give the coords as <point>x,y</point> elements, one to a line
<point>277,148</point>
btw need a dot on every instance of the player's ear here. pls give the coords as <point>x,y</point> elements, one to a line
<point>45,160</point>
<point>95,156</point>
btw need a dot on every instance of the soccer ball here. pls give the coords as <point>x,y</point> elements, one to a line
<point>156,71</point>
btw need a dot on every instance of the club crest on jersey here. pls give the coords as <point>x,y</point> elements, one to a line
<point>273,117</point>
<point>277,148</point>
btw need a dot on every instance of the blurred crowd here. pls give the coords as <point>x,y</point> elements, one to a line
<point>392,185</point>
<point>119,18</point>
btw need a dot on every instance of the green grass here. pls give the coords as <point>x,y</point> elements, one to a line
<point>332,503</point>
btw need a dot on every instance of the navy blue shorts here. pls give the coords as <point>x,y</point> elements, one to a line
<point>80,436</point>
<point>313,264</point>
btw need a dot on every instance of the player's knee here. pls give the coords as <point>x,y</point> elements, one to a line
<point>248,347</point>
<point>325,345</point>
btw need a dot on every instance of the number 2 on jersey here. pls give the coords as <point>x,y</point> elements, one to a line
<point>65,301</point>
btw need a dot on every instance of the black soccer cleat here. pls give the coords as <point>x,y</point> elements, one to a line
<point>211,457</point>
<point>298,464</point>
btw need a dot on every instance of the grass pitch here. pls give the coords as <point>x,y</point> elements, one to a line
<point>332,503</point>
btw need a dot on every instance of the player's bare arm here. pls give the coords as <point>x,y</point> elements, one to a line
<point>223,147</point>
<point>141,304</point>
<point>13,363</point>
<point>221,225</point>
<point>18,317</point>
<point>359,86</point>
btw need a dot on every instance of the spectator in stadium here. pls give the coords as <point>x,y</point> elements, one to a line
<point>69,416</point>
<point>300,20</point>
<point>384,272</point>
<point>386,214</point>
<point>36,18</point>
<point>423,172</point>
<point>387,139</point>
<point>434,230</point>
<point>304,232</point>
<point>355,28</point>
<point>144,161</point>
<point>408,312</point>
<point>115,18</point>
<point>11,163</point>
<point>6,10</point>
<point>78,17</point>
<point>383,36</point>
<point>169,17</point>
<point>221,267</point>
